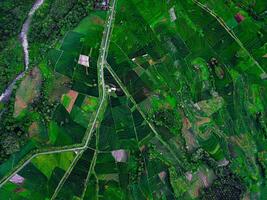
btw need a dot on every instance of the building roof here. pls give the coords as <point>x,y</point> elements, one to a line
<point>119,155</point>
<point>101,4</point>
<point>84,60</point>
<point>17,179</point>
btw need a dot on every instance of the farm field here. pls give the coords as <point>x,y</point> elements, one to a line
<point>139,100</point>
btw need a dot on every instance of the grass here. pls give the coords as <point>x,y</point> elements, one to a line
<point>89,104</point>
<point>72,42</point>
<point>28,90</point>
<point>65,101</point>
<point>47,163</point>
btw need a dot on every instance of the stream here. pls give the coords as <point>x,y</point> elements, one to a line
<point>5,96</point>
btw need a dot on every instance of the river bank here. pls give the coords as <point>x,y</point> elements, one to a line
<point>5,96</point>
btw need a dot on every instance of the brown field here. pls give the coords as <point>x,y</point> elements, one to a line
<point>73,96</point>
<point>29,89</point>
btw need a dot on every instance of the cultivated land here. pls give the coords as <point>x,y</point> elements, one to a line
<point>171,106</point>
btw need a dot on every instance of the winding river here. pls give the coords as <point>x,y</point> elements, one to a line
<point>5,96</point>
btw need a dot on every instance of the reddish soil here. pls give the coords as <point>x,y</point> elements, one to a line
<point>73,96</point>
<point>33,129</point>
<point>18,190</point>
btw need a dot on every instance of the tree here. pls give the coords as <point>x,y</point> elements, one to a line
<point>227,186</point>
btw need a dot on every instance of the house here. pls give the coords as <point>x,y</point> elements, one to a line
<point>101,4</point>
<point>17,179</point>
<point>85,61</point>
<point>120,155</point>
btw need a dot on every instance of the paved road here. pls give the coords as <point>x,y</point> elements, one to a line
<point>102,91</point>
<point>157,135</point>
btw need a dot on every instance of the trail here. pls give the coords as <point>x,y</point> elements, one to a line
<point>229,31</point>
<point>5,96</point>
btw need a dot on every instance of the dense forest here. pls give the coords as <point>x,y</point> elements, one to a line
<point>49,23</point>
<point>12,132</point>
<point>226,186</point>
<point>52,21</point>
<point>12,15</point>
<point>56,17</point>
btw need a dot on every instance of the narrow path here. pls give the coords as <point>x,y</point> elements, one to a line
<point>157,135</point>
<point>67,173</point>
<point>229,30</point>
<point>102,93</point>
<point>5,96</point>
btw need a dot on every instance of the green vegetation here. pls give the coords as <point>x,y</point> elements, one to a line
<point>145,100</point>
<point>12,15</point>
<point>226,186</point>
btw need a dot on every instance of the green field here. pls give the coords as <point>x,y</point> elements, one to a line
<point>171,106</point>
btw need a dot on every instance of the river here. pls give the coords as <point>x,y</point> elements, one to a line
<point>5,96</point>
